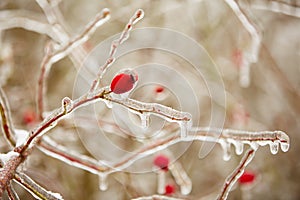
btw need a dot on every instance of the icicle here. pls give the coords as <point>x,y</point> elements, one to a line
<point>239,146</point>
<point>274,146</point>
<point>226,149</point>
<point>181,178</point>
<point>284,147</point>
<point>145,120</point>
<point>66,104</point>
<point>285,141</point>
<point>161,181</point>
<point>103,181</point>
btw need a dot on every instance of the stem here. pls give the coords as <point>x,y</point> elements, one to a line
<point>6,121</point>
<point>236,174</point>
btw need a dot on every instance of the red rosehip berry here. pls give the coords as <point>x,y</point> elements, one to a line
<point>162,162</point>
<point>247,178</point>
<point>29,117</point>
<point>159,89</point>
<point>169,189</point>
<point>123,82</point>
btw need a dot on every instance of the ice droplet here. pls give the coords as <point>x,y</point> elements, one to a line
<point>284,146</point>
<point>226,149</point>
<point>284,141</point>
<point>274,146</point>
<point>145,120</point>
<point>103,181</point>
<point>239,147</point>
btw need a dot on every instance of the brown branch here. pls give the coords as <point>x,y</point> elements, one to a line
<point>12,195</point>
<point>5,117</point>
<point>35,189</point>
<point>232,178</point>
<point>53,56</point>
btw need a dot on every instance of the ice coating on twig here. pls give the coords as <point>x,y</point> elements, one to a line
<point>251,55</point>
<point>34,188</point>
<point>139,14</point>
<point>21,136</point>
<point>181,178</point>
<point>4,157</point>
<point>184,119</point>
<point>239,137</point>
<point>236,174</point>
<point>277,6</point>
<point>66,104</point>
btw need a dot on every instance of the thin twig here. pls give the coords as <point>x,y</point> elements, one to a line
<point>237,173</point>
<point>12,195</point>
<point>6,121</point>
<point>278,7</point>
<point>35,189</point>
<point>139,14</point>
<point>51,148</point>
<point>252,54</point>
<point>51,57</point>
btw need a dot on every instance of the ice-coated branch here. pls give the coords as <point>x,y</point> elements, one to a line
<point>254,139</point>
<point>157,197</point>
<point>6,123</point>
<point>251,56</point>
<point>11,193</point>
<point>236,174</point>
<point>28,24</point>
<point>53,56</point>
<point>184,119</point>
<point>277,6</point>
<point>51,148</point>
<point>139,14</point>
<point>35,189</point>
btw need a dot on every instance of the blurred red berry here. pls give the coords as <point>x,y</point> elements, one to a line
<point>247,178</point>
<point>159,89</point>
<point>169,189</point>
<point>123,82</point>
<point>237,58</point>
<point>162,162</point>
<point>29,117</point>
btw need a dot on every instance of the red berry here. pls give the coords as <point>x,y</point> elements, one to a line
<point>159,89</point>
<point>247,178</point>
<point>123,82</point>
<point>237,57</point>
<point>29,117</point>
<point>169,189</point>
<point>162,162</point>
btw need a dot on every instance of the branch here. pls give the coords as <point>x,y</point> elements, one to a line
<point>278,7</point>
<point>51,148</point>
<point>12,195</point>
<point>6,120</point>
<point>35,189</point>
<point>236,174</point>
<point>22,19</point>
<point>139,14</point>
<point>51,57</point>
<point>252,55</point>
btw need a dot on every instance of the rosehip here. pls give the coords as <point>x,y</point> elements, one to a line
<point>169,189</point>
<point>247,177</point>
<point>162,162</point>
<point>123,82</point>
